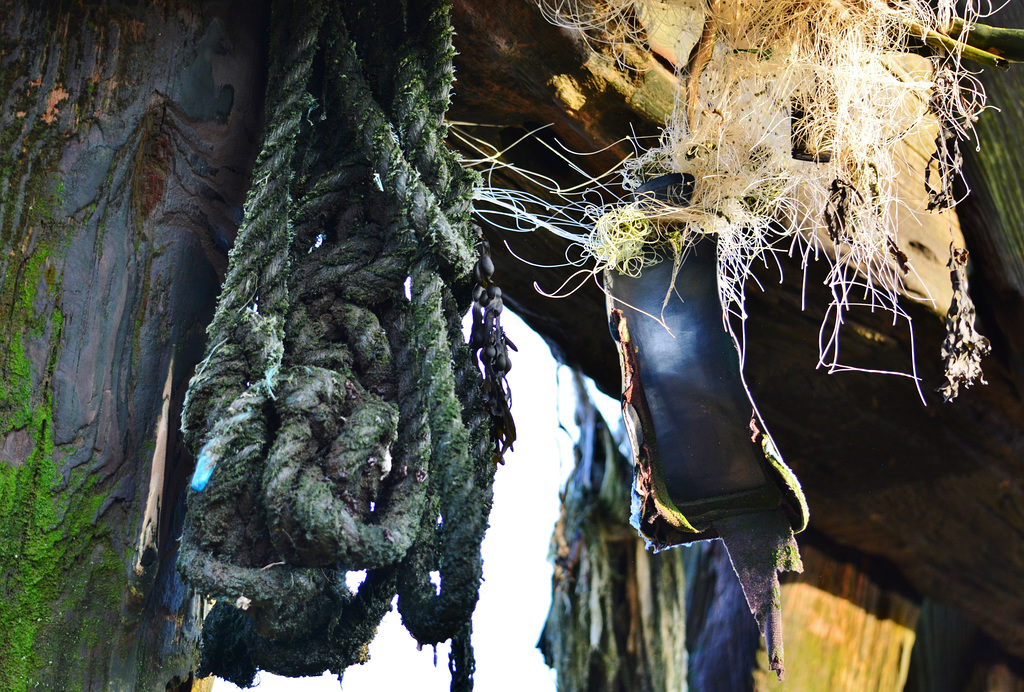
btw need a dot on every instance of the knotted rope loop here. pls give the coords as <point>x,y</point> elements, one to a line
<point>339,416</point>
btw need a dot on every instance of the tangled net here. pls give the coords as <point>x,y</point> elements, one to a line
<point>340,419</point>
<point>791,116</point>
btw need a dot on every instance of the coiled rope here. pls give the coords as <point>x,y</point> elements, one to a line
<point>339,417</point>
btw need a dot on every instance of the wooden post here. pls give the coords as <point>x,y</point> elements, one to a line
<point>127,137</point>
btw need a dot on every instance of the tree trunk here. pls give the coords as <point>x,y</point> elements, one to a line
<point>128,132</point>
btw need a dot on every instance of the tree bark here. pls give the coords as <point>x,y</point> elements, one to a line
<point>128,130</point>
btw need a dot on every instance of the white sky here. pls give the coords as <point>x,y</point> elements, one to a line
<point>516,592</point>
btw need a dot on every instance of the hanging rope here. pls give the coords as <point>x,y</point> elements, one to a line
<point>339,417</point>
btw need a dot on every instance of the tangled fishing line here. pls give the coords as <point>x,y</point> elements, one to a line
<point>340,421</point>
<point>791,116</point>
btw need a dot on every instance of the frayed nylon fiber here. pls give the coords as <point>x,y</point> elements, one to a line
<point>760,80</point>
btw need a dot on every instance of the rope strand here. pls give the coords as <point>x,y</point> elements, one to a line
<point>338,413</point>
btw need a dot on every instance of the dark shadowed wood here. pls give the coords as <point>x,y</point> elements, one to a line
<point>619,612</point>
<point>952,655</point>
<point>993,214</point>
<point>934,489</point>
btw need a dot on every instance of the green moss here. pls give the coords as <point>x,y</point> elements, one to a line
<point>15,387</point>
<point>53,559</point>
<point>27,542</point>
<point>17,298</point>
<point>31,187</point>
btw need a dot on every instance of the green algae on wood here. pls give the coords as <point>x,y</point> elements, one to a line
<point>18,314</point>
<point>67,311</point>
<point>45,535</point>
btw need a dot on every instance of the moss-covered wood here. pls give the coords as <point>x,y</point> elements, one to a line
<point>617,620</point>
<point>123,158</point>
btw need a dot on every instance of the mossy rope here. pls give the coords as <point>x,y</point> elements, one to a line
<point>340,425</point>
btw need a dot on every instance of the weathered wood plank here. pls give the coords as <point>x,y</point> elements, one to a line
<point>126,137</point>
